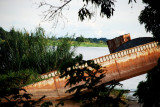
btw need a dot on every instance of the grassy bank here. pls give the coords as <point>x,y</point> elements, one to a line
<point>88,44</point>
<point>80,44</point>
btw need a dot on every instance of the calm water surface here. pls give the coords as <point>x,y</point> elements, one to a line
<point>94,52</point>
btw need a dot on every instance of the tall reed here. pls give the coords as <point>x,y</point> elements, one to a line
<point>23,52</point>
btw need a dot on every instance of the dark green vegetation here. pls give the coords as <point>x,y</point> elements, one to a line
<point>84,82</point>
<point>148,91</point>
<point>20,51</point>
<point>150,17</point>
<point>91,42</point>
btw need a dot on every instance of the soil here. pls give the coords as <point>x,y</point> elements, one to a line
<point>70,103</point>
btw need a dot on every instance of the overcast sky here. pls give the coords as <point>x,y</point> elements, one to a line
<point>24,14</point>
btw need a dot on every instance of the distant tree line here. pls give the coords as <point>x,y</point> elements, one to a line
<point>83,39</point>
<point>92,40</point>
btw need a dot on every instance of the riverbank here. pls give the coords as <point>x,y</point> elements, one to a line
<point>89,44</point>
<point>80,44</point>
<point>71,103</point>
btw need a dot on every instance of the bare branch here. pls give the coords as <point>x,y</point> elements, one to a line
<point>53,13</point>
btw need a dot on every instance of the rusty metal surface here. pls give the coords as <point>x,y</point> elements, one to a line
<point>113,44</point>
<point>119,66</point>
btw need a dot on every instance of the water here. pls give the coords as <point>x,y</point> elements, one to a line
<point>94,52</point>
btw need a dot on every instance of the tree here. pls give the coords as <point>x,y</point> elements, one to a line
<point>80,39</point>
<point>150,17</point>
<point>148,91</point>
<point>54,11</point>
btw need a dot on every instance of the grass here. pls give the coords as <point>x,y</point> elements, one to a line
<point>81,44</point>
<point>88,44</point>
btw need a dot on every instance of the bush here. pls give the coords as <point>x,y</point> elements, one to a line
<point>17,79</point>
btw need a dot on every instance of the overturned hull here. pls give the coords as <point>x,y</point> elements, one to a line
<point>119,66</point>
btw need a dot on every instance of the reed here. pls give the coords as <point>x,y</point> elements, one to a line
<point>23,51</point>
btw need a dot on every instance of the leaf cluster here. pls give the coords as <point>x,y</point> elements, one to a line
<point>150,18</point>
<point>81,72</point>
<point>18,79</point>
<point>102,96</point>
<point>54,12</point>
<point>106,8</point>
<point>84,78</point>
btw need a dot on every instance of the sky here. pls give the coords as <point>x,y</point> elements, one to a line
<point>25,14</point>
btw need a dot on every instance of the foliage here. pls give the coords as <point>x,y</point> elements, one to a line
<point>92,40</point>
<point>84,77</point>
<point>47,104</point>
<point>102,96</point>
<point>3,33</point>
<point>89,44</point>
<point>148,91</point>
<point>17,79</point>
<point>30,51</point>
<point>78,74</point>
<point>106,9</point>
<point>150,17</point>
<point>80,41</point>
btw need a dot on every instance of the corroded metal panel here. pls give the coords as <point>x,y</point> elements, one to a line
<point>113,44</point>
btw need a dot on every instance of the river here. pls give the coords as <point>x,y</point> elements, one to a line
<point>94,52</point>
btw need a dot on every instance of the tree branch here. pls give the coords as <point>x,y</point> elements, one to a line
<point>53,13</point>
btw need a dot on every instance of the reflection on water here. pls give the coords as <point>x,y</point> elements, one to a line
<point>94,52</point>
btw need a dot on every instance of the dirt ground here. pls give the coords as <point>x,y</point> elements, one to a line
<point>134,104</point>
<point>69,103</point>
